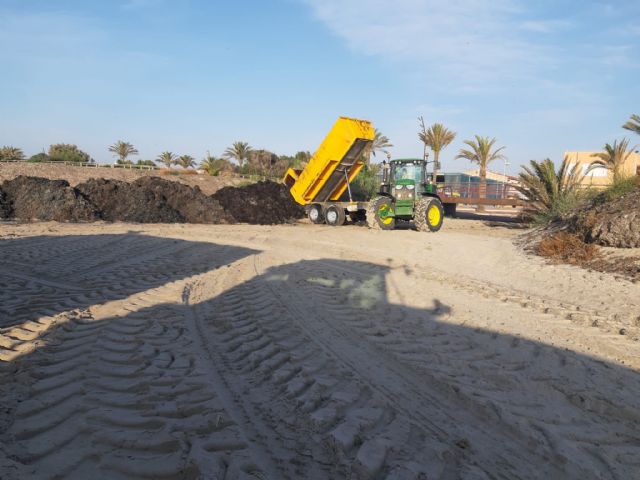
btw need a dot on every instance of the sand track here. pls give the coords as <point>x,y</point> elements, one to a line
<point>250,352</point>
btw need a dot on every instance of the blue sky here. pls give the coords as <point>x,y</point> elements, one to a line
<point>190,76</point>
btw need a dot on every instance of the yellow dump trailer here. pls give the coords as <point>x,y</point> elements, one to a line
<point>327,175</point>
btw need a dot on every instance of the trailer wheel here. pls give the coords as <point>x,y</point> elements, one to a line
<point>359,216</point>
<point>450,209</point>
<point>315,214</point>
<point>428,214</point>
<point>380,214</point>
<point>334,216</point>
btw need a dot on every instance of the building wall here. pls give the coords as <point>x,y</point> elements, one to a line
<point>601,177</point>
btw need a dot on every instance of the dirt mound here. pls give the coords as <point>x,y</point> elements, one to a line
<point>34,198</point>
<point>5,206</point>
<point>262,203</point>
<point>613,224</point>
<point>146,200</point>
<point>151,200</point>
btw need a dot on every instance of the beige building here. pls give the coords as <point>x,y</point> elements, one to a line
<point>601,177</point>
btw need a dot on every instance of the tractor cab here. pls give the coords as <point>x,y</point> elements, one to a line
<point>406,179</point>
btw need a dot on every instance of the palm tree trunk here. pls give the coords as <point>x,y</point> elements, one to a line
<point>482,188</point>
<point>436,156</point>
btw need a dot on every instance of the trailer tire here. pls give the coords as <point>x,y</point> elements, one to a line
<point>334,215</point>
<point>315,214</point>
<point>450,209</point>
<point>374,220</point>
<point>428,214</point>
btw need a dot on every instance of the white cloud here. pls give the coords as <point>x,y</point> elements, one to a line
<point>468,42</point>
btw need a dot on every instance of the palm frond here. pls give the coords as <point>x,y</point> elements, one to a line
<point>633,124</point>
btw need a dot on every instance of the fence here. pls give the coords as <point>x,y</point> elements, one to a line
<point>248,176</point>
<point>88,164</point>
<point>496,191</point>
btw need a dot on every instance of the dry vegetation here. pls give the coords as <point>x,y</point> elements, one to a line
<point>567,248</point>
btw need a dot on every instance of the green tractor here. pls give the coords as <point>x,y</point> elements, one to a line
<point>406,193</point>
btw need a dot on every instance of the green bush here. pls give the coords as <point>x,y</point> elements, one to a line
<point>621,187</point>
<point>62,152</point>
<point>146,163</point>
<point>39,157</point>
<point>367,184</point>
<point>560,208</point>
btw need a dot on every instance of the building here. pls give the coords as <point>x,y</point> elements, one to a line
<point>601,177</point>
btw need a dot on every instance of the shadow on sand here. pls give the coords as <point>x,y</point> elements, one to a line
<point>306,370</point>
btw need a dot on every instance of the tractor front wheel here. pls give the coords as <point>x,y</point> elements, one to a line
<point>380,214</point>
<point>428,214</point>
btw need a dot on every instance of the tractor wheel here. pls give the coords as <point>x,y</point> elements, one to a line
<point>315,214</point>
<point>377,214</point>
<point>428,214</point>
<point>334,216</point>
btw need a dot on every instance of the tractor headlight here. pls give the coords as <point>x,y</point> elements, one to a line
<point>410,187</point>
<point>399,187</point>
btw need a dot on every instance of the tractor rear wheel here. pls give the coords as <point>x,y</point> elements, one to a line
<point>428,214</point>
<point>315,213</point>
<point>379,214</point>
<point>334,216</point>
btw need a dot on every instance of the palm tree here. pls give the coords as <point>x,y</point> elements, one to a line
<point>186,161</point>
<point>239,152</point>
<point>482,153</point>
<point>613,158</point>
<point>167,158</point>
<point>122,150</point>
<point>633,124</point>
<point>546,189</point>
<point>214,165</point>
<point>11,154</point>
<point>436,137</point>
<point>380,143</point>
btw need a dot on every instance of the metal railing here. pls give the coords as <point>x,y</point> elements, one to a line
<point>496,191</point>
<point>87,164</point>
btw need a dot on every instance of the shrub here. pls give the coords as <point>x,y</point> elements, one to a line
<point>620,188</point>
<point>39,157</point>
<point>146,163</point>
<point>367,184</point>
<point>8,153</point>
<point>63,152</point>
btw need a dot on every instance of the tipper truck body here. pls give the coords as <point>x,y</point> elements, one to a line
<point>328,174</point>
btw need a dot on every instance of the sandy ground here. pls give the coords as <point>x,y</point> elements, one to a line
<point>301,351</point>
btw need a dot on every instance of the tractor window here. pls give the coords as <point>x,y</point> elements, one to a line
<point>407,171</point>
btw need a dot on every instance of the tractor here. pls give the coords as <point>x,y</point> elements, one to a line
<point>406,194</point>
